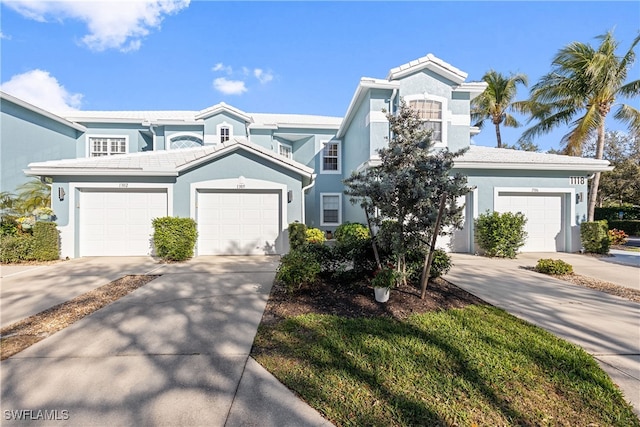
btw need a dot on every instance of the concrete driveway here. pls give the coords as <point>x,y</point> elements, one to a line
<point>606,326</point>
<point>174,352</point>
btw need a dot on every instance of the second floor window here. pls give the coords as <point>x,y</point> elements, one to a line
<point>286,151</point>
<point>331,157</point>
<point>225,133</point>
<point>107,146</point>
<point>431,112</point>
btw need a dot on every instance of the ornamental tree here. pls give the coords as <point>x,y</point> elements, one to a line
<point>407,186</point>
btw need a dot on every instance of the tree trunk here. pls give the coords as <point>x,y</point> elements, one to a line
<point>595,182</point>
<point>373,240</point>
<point>498,137</point>
<point>426,268</point>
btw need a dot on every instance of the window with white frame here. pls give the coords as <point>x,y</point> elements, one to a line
<point>107,145</point>
<point>185,141</point>
<point>225,133</point>
<point>285,150</point>
<point>430,112</point>
<point>330,209</point>
<point>331,157</point>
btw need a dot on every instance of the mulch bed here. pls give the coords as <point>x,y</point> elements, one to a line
<point>24,333</point>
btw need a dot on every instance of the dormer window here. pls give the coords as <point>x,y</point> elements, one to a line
<point>430,112</point>
<point>285,150</point>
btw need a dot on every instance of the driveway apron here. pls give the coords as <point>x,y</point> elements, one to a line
<point>606,326</point>
<point>173,352</point>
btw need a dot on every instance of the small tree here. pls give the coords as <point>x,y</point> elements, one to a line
<point>408,185</point>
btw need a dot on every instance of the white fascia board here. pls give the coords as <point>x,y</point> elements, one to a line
<point>533,166</point>
<point>96,172</point>
<point>38,110</point>
<point>161,122</point>
<point>366,83</point>
<point>307,126</point>
<point>431,63</point>
<point>223,107</point>
<point>262,126</point>
<point>473,88</point>
<point>105,120</point>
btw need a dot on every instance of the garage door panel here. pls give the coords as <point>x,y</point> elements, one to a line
<point>545,218</point>
<point>235,223</point>
<point>119,222</point>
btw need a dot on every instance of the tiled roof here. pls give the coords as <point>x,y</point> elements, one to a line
<point>503,158</point>
<point>427,61</point>
<point>169,162</point>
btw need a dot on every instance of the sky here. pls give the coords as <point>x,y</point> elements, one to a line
<point>280,57</point>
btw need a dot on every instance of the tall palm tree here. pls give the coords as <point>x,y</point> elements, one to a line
<point>496,100</point>
<point>580,91</point>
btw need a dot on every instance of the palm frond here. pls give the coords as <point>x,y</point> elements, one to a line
<point>630,116</point>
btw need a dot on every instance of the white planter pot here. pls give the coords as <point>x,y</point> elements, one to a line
<point>382,294</point>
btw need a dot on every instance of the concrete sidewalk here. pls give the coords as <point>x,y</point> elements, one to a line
<point>174,352</point>
<point>606,326</point>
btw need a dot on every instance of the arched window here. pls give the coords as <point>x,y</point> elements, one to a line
<point>185,141</point>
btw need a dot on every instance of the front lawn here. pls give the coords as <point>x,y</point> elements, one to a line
<point>473,365</point>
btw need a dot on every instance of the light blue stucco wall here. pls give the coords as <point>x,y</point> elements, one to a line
<point>237,125</point>
<point>27,137</point>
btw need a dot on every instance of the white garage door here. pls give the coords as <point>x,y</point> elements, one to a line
<point>238,223</point>
<point>118,222</point>
<point>544,212</point>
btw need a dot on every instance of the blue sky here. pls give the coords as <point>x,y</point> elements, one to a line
<point>279,57</point>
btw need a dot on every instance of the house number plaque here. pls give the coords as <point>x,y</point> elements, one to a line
<point>577,180</point>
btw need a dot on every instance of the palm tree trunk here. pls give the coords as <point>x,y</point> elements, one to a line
<point>498,137</point>
<point>595,182</point>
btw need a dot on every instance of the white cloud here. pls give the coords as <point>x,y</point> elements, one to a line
<point>262,76</point>
<point>112,25</point>
<point>221,67</point>
<point>229,87</point>
<point>40,88</point>
<point>4,36</point>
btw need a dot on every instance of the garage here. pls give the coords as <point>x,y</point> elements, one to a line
<point>236,222</point>
<point>545,213</point>
<point>118,222</point>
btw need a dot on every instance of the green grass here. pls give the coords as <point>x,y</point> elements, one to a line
<point>472,366</point>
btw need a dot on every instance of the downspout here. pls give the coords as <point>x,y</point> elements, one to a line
<point>304,189</point>
<point>393,97</point>
<point>153,132</point>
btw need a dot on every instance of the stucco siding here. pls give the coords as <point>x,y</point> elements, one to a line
<point>27,137</point>
<point>211,123</point>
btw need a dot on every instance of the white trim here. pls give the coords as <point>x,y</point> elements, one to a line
<point>247,184</point>
<point>457,164</point>
<point>330,224</point>
<point>222,107</point>
<point>179,135</point>
<point>429,62</point>
<point>446,114</point>
<point>70,233</point>
<point>219,127</point>
<point>323,143</point>
<point>88,143</point>
<point>19,102</point>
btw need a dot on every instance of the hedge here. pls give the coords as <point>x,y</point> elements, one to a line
<point>611,213</point>
<point>174,238</point>
<point>594,237</point>
<point>632,228</point>
<point>46,241</point>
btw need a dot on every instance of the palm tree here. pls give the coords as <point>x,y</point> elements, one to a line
<point>580,91</point>
<point>496,99</point>
<point>32,195</point>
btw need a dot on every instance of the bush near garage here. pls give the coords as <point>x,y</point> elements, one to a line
<point>594,237</point>
<point>631,227</point>
<point>297,235</point>
<point>314,235</point>
<point>46,241</point>
<point>39,242</point>
<point>174,239</point>
<point>501,235</point>
<point>16,248</point>
<point>553,266</point>
<point>298,268</point>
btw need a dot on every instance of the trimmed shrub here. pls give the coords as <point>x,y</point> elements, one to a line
<point>16,248</point>
<point>314,235</point>
<point>297,235</point>
<point>350,234</point>
<point>617,237</point>
<point>613,213</point>
<point>46,241</point>
<point>440,265</point>
<point>298,268</point>
<point>553,266</point>
<point>631,227</point>
<point>594,237</point>
<point>501,235</point>
<point>174,238</point>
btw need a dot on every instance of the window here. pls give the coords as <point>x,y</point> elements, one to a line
<point>431,112</point>
<point>185,141</point>
<point>225,133</point>
<point>107,145</point>
<point>330,207</point>
<point>285,151</point>
<point>331,157</point>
